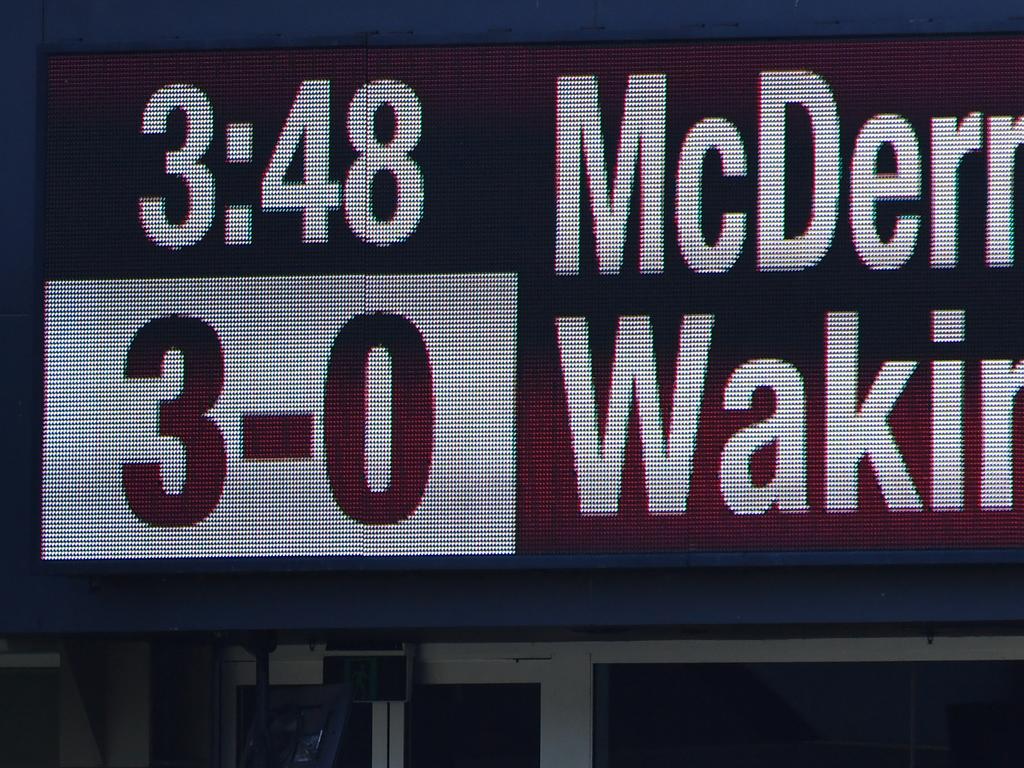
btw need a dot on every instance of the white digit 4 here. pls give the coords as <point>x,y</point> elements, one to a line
<point>315,195</point>
<point>183,162</point>
<point>392,157</point>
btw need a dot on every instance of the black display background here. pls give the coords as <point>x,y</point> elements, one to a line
<point>487,155</point>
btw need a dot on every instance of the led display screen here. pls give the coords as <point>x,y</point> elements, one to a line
<point>533,300</point>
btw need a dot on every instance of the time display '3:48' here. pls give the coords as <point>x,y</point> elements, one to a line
<point>317,195</point>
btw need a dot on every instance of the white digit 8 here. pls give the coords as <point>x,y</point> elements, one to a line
<point>183,162</point>
<point>392,157</point>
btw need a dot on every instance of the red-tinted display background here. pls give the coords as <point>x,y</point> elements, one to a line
<point>487,155</point>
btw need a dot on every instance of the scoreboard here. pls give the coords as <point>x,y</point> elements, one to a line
<point>508,301</point>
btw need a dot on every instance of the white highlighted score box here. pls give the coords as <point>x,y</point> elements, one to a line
<point>276,335</point>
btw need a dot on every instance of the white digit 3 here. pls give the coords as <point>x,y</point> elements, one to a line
<point>183,162</point>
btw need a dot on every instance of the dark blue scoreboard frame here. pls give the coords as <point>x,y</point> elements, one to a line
<point>641,591</point>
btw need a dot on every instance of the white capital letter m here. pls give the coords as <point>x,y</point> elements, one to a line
<point>579,145</point>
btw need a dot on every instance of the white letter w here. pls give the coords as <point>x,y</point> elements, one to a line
<point>668,464</point>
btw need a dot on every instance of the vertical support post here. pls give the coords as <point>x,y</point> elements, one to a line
<point>262,713</point>
<point>602,718</point>
<point>379,740</point>
<point>396,734</point>
<point>388,735</point>
<point>566,716</point>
